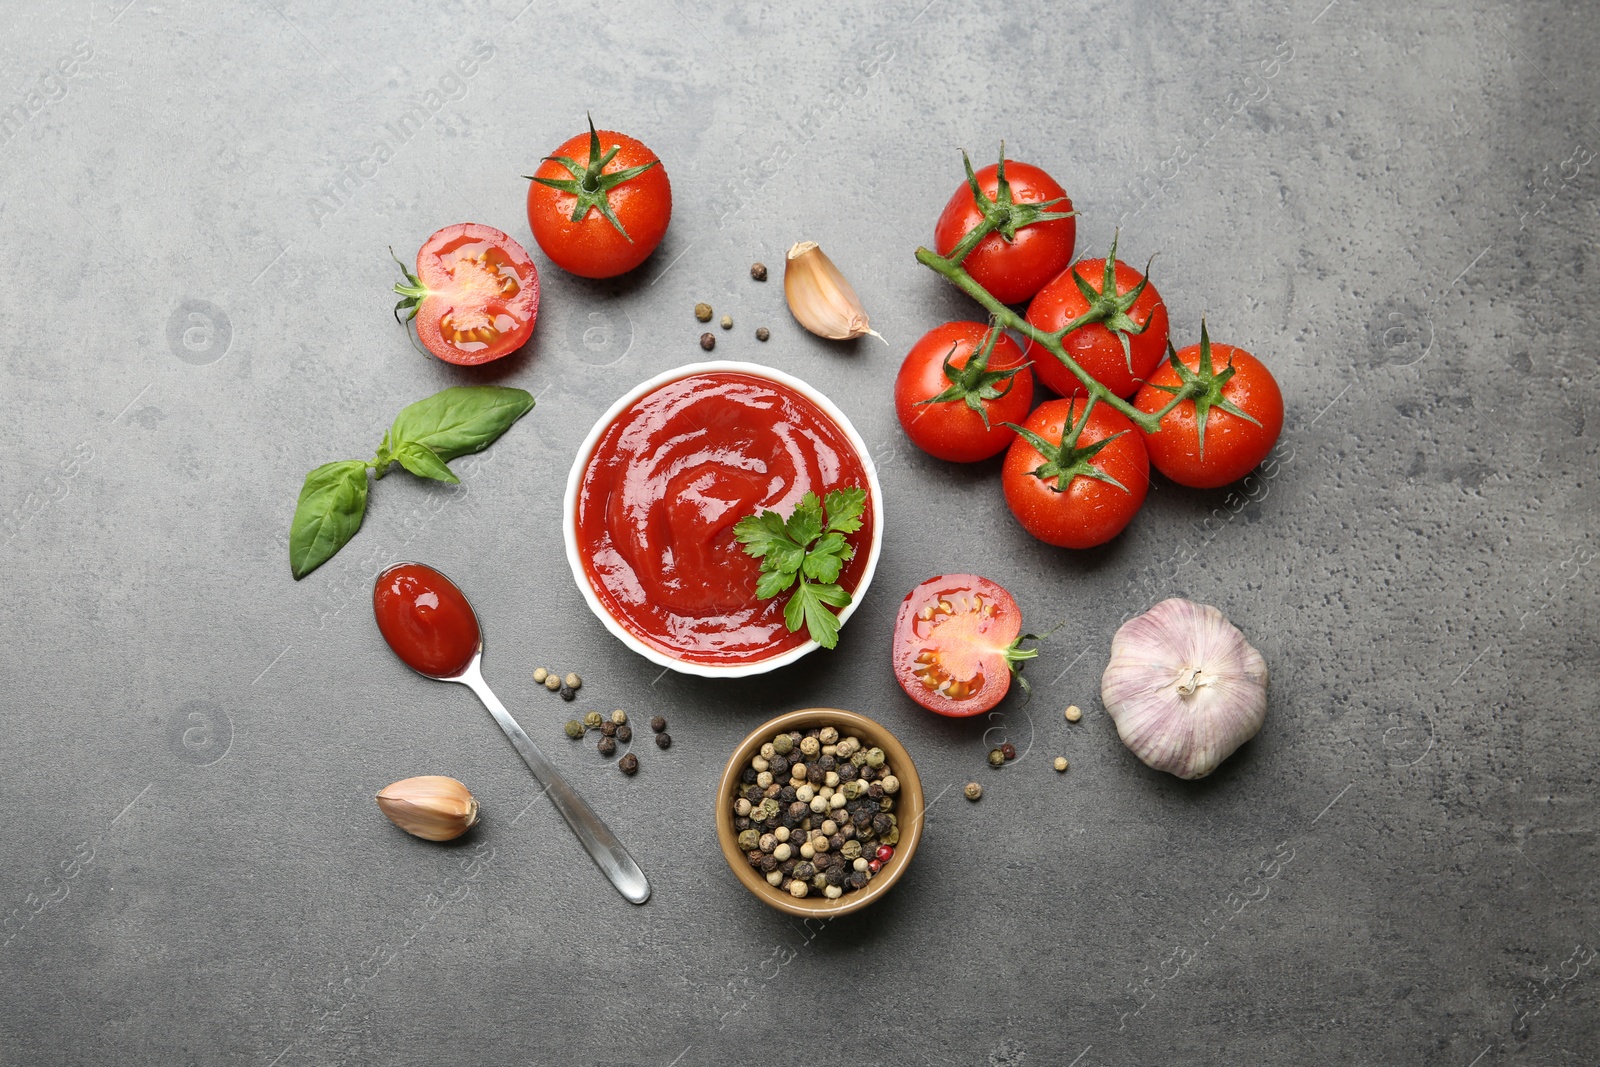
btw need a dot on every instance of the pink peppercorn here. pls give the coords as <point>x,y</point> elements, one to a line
<point>884,853</point>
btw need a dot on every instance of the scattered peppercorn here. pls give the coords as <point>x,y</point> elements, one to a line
<point>974,791</point>
<point>609,729</point>
<point>702,312</point>
<point>619,716</point>
<point>727,322</point>
<point>1061,763</point>
<point>1074,713</point>
<point>658,724</point>
<point>628,764</point>
<point>551,682</point>
<point>574,729</point>
<point>540,675</point>
<point>608,746</point>
<point>762,333</point>
<point>592,720</point>
<point>573,681</point>
<point>663,740</point>
<point>708,341</point>
<point>1008,750</point>
<point>624,733</point>
<point>758,271</point>
<point>568,693</point>
<point>996,757</point>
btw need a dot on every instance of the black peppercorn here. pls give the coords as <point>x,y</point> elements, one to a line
<point>624,733</point>
<point>708,341</point>
<point>755,856</point>
<point>847,772</point>
<point>827,763</point>
<point>875,789</point>
<point>769,863</point>
<point>568,693</point>
<point>779,766</point>
<point>797,812</point>
<point>664,740</point>
<point>835,876</point>
<point>815,774</point>
<point>787,794</point>
<point>882,824</point>
<point>762,333</point>
<point>836,842</point>
<point>658,724</point>
<point>628,764</point>
<point>866,774</point>
<point>607,746</point>
<point>805,870</point>
<point>758,271</point>
<point>753,794</point>
<point>609,729</point>
<point>741,822</point>
<point>748,777</point>
<point>859,879</point>
<point>790,866</point>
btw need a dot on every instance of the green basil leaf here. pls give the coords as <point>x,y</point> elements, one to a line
<point>460,420</point>
<point>424,462</point>
<point>328,513</point>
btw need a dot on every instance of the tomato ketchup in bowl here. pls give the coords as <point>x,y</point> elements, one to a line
<point>658,486</point>
<point>426,620</point>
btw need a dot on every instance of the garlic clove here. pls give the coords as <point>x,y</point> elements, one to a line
<point>433,807</point>
<point>820,298</point>
<point>1184,687</point>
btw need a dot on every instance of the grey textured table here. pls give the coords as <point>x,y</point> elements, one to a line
<point>1396,208</point>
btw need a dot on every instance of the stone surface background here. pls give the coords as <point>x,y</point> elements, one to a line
<point>1395,205</point>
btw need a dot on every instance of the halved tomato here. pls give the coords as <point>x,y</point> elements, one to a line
<point>475,295</point>
<point>956,644</point>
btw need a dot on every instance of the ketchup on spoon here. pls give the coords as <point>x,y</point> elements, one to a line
<point>426,620</point>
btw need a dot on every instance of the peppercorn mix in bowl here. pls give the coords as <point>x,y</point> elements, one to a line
<point>830,805</point>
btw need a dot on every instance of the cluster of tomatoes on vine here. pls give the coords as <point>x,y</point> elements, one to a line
<point>1094,333</point>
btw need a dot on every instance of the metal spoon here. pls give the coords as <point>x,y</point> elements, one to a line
<point>596,836</point>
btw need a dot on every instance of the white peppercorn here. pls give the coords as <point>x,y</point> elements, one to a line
<point>891,784</point>
<point>833,892</point>
<point>774,878</point>
<point>798,888</point>
<point>767,843</point>
<point>828,735</point>
<point>782,851</point>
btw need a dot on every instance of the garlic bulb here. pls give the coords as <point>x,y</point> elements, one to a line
<point>432,807</point>
<point>821,299</point>
<point>1184,687</point>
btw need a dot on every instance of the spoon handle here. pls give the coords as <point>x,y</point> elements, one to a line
<point>596,836</point>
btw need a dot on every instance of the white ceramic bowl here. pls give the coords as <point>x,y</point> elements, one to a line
<point>569,515</point>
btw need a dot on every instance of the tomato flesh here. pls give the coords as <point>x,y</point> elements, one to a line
<point>482,294</point>
<point>425,619</point>
<point>951,638</point>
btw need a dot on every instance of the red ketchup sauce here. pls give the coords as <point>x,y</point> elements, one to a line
<point>425,619</point>
<point>665,485</point>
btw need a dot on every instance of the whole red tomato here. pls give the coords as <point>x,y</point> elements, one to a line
<point>956,645</point>
<point>475,295</point>
<point>1080,492</point>
<point>1122,335</point>
<point>958,387</point>
<point>600,216</point>
<point>1031,245</point>
<point>1228,421</point>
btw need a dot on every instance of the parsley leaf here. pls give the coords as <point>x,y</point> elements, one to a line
<point>806,552</point>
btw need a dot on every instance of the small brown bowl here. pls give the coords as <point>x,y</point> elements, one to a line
<point>909,810</point>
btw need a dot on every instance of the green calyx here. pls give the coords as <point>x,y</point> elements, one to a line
<point>411,291</point>
<point>590,184</point>
<point>1109,309</point>
<point>975,383</point>
<point>1004,215</point>
<point>1203,386</point>
<point>1067,461</point>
